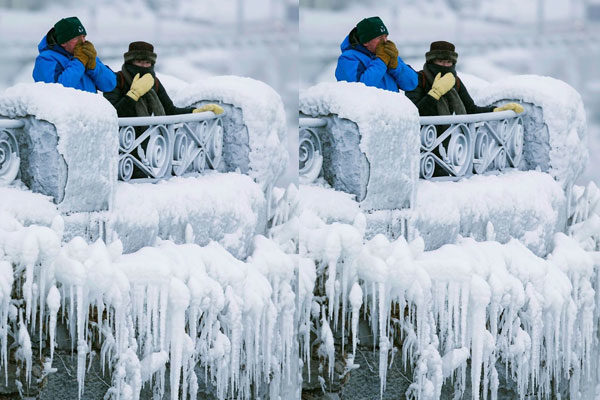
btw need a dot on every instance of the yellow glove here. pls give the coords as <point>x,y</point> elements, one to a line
<point>390,48</point>
<point>380,52</point>
<point>79,54</point>
<point>516,107</point>
<point>210,107</point>
<point>442,85</point>
<point>90,51</point>
<point>140,86</point>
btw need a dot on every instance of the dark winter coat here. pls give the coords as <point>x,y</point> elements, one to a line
<point>357,64</point>
<point>428,105</point>
<point>56,65</point>
<point>127,107</point>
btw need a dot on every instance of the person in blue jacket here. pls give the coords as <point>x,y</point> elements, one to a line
<point>67,58</point>
<point>369,57</point>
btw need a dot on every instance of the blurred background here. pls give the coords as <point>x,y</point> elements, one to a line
<point>194,39</point>
<point>494,39</point>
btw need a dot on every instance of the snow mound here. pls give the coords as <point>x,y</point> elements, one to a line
<point>563,113</point>
<point>86,126</point>
<point>263,115</point>
<point>382,117</point>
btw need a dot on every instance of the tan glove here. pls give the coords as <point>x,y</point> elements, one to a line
<point>79,54</point>
<point>516,107</point>
<point>380,52</point>
<point>210,107</point>
<point>140,86</point>
<point>390,48</point>
<point>90,51</point>
<point>442,85</point>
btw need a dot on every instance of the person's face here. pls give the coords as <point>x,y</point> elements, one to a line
<point>371,45</point>
<point>443,63</point>
<point>70,45</point>
<point>142,63</point>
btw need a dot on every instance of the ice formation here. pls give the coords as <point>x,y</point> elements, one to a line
<point>468,303</point>
<point>563,113</point>
<point>381,117</point>
<point>263,115</point>
<point>145,307</point>
<point>86,125</point>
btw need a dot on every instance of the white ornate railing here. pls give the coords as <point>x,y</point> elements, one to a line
<point>310,156</point>
<point>469,144</point>
<point>9,150</point>
<point>169,145</point>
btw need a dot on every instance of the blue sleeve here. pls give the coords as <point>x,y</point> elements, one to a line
<point>104,78</point>
<point>406,77</point>
<point>350,69</point>
<point>48,70</point>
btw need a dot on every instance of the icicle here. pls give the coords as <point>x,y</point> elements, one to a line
<point>480,298</point>
<point>356,298</point>
<point>179,300</point>
<point>53,302</point>
<point>189,234</point>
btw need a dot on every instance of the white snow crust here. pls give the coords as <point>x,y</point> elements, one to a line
<point>86,125</point>
<point>382,117</point>
<point>263,115</point>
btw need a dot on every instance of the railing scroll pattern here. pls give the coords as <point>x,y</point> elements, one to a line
<point>310,152</point>
<point>468,144</point>
<point>169,145</point>
<point>9,150</point>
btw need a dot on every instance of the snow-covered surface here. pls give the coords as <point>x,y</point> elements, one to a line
<point>563,113</point>
<point>86,125</point>
<point>329,205</point>
<point>446,209</point>
<point>263,115</point>
<point>227,208</point>
<point>382,117</point>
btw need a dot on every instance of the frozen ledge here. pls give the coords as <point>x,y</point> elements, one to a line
<point>226,208</point>
<point>529,206</point>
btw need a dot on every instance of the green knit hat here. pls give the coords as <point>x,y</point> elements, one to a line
<point>370,28</point>
<point>68,28</point>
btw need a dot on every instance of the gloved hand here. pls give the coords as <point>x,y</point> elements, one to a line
<point>79,54</point>
<point>210,107</point>
<point>140,86</point>
<point>516,107</point>
<point>442,85</point>
<point>390,48</point>
<point>380,52</point>
<point>90,51</point>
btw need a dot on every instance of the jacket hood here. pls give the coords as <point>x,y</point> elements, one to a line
<point>351,43</point>
<point>48,42</point>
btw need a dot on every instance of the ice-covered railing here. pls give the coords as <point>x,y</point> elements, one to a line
<point>310,151</point>
<point>338,119</point>
<point>9,150</point>
<point>170,145</point>
<point>460,145</point>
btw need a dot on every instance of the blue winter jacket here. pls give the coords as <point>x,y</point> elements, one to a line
<point>55,64</point>
<point>357,64</point>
